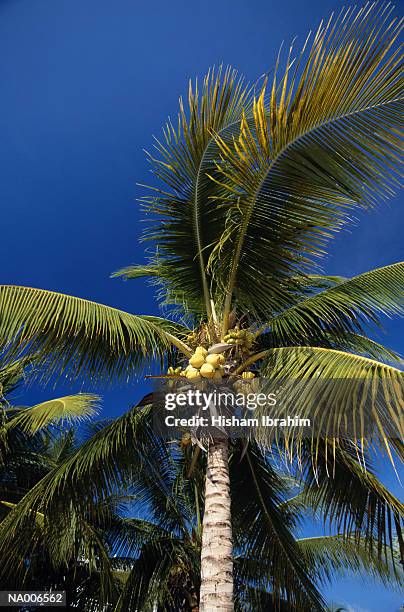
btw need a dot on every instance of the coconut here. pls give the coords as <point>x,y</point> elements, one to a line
<point>213,360</point>
<point>200,350</point>
<point>207,370</point>
<point>197,360</point>
<point>193,374</point>
<point>190,368</point>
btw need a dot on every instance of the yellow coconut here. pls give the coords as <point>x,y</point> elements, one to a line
<point>197,360</point>
<point>207,370</point>
<point>200,350</point>
<point>213,360</point>
<point>193,374</point>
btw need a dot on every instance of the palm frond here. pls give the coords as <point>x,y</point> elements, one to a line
<point>250,597</point>
<point>340,392</point>
<point>263,530</point>
<point>124,452</point>
<point>313,282</point>
<point>165,575</point>
<point>95,470</point>
<point>343,341</point>
<point>324,141</point>
<point>39,517</point>
<point>62,410</point>
<point>181,161</point>
<point>340,485</point>
<point>335,555</point>
<point>11,374</point>
<point>345,307</point>
<point>82,336</point>
<point>362,345</point>
<point>136,271</point>
<point>62,446</point>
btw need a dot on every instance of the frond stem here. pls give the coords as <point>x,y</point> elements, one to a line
<point>179,344</point>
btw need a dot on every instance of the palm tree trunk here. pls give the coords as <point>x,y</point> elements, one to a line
<point>217,547</point>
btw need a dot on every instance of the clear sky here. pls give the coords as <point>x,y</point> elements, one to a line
<point>85,85</point>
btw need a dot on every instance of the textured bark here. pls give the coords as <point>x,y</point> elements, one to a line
<point>217,548</point>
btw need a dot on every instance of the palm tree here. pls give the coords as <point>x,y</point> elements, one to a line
<point>156,543</point>
<point>34,442</point>
<point>252,183</point>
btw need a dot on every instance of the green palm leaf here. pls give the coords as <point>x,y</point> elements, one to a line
<point>313,282</point>
<point>182,161</point>
<point>263,529</point>
<point>341,486</point>
<point>357,343</point>
<point>331,556</point>
<point>346,306</point>
<point>137,271</point>
<point>11,374</point>
<point>123,451</point>
<point>83,336</point>
<point>63,410</point>
<point>339,392</point>
<point>39,517</point>
<point>165,574</point>
<point>325,142</point>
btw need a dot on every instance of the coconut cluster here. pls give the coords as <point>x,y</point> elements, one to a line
<point>205,365</point>
<point>240,337</point>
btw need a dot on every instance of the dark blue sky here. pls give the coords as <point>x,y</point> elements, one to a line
<point>85,84</point>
